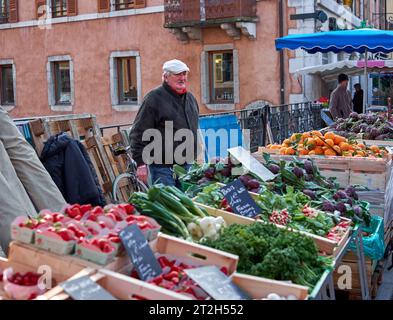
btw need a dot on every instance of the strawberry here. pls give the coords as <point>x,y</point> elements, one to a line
<point>130,218</point>
<point>128,208</point>
<point>73,212</point>
<point>102,224</point>
<point>97,210</point>
<point>57,217</point>
<point>92,217</point>
<point>106,248</point>
<point>85,208</point>
<point>117,214</point>
<point>112,216</point>
<point>114,239</point>
<point>66,234</point>
<point>48,217</point>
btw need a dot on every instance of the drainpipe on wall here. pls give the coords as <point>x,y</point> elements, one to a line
<point>281,34</point>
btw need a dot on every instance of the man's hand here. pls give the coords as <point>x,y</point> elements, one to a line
<point>141,173</point>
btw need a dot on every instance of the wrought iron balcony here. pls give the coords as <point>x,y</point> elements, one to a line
<point>185,18</point>
<point>3,18</point>
<point>191,13</point>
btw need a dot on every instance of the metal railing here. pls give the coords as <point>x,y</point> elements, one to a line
<point>195,11</point>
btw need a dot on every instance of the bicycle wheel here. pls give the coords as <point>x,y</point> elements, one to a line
<point>125,185</point>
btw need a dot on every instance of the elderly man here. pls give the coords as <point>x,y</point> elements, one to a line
<point>340,105</point>
<point>164,132</point>
<point>25,186</point>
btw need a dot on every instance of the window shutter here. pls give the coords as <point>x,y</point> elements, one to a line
<point>104,6</point>
<point>40,4</point>
<point>140,3</point>
<point>13,17</point>
<point>72,9</point>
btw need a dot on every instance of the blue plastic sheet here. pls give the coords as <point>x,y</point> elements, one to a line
<point>374,244</point>
<point>220,133</point>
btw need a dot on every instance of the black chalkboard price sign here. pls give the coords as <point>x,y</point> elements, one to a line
<point>216,284</point>
<point>140,253</point>
<point>240,200</point>
<point>84,288</point>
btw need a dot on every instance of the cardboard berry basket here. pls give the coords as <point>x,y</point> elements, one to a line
<point>326,246</point>
<point>119,286</point>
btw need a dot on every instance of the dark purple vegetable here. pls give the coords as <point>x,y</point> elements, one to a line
<point>209,173</point>
<point>256,190</point>
<point>354,115</point>
<point>351,192</point>
<point>226,172</point>
<point>253,184</point>
<point>310,193</point>
<point>328,206</point>
<point>244,179</point>
<point>341,207</point>
<point>274,168</point>
<point>340,195</point>
<point>358,211</point>
<point>309,177</point>
<point>298,172</point>
<point>308,166</point>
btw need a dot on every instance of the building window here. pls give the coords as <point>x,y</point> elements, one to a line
<point>221,77</point>
<point>62,82</point>
<point>125,75</point>
<point>4,10</point>
<point>7,85</point>
<point>127,80</point>
<point>124,4</point>
<point>59,8</point>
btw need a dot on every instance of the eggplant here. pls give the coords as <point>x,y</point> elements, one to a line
<point>298,172</point>
<point>328,206</point>
<point>274,168</point>
<point>309,167</point>
<point>310,193</point>
<point>253,184</point>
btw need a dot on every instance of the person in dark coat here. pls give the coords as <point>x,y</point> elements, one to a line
<point>70,167</point>
<point>358,99</point>
<point>166,112</point>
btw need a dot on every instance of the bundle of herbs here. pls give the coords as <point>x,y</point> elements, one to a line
<point>267,251</point>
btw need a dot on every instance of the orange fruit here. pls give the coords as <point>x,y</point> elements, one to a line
<point>361,153</point>
<point>306,135</point>
<point>290,151</point>
<point>296,137</point>
<point>275,146</point>
<point>330,152</point>
<point>361,146</point>
<point>344,146</point>
<point>347,154</point>
<point>283,150</point>
<point>330,142</point>
<point>303,152</point>
<point>325,148</point>
<point>287,141</point>
<point>374,148</point>
<point>310,143</point>
<point>316,133</point>
<point>318,150</point>
<point>311,153</point>
<point>319,141</point>
<point>337,149</point>
<point>329,135</point>
<point>338,139</point>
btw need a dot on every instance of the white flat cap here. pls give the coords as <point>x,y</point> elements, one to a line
<point>175,66</point>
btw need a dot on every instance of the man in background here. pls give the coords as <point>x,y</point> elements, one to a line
<point>340,105</point>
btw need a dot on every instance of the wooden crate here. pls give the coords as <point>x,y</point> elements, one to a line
<point>197,254</point>
<point>350,260</point>
<point>120,286</point>
<point>258,288</point>
<point>324,245</point>
<point>371,173</point>
<point>84,128</point>
<point>31,266</point>
<point>63,267</point>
